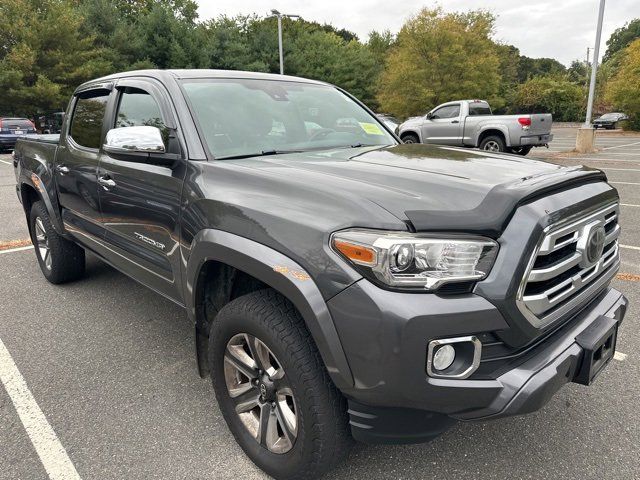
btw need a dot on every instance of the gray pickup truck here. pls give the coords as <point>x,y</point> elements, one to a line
<point>470,123</point>
<point>340,283</point>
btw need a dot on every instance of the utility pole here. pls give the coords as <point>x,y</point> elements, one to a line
<point>276,13</point>
<point>586,134</point>
<point>594,68</point>
<point>586,65</point>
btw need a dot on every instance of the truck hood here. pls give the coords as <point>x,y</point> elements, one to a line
<point>434,188</point>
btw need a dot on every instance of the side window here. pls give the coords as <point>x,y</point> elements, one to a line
<point>448,111</point>
<point>479,109</point>
<point>88,115</point>
<point>138,108</point>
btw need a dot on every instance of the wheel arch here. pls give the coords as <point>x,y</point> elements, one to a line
<point>223,266</point>
<point>493,130</point>
<point>32,192</point>
<point>410,132</point>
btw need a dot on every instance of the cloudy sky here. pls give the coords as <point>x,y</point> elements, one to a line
<point>561,29</point>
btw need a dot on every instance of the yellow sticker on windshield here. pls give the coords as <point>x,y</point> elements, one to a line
<point>371,128</point>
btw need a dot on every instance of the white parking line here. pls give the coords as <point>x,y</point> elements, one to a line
<point>625,183</point>
<point>52,454</point>
<point>4,161</point>
<point>17,249</point>
<point>629,205</point>
<point>621,169</point>
<point>630,247</point>
<point>622,146</point>
<point>621,357</point>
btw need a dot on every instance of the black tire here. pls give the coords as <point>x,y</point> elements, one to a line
<point>64,261</point>
<point>322,437</point>
<point>521,150</point>
<point>493,143</point>
<point>410,138</point>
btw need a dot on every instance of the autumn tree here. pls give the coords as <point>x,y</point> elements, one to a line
<point>623,90</point>
<point>440,57</point>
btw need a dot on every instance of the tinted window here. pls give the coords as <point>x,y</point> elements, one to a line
<point>16,123</point>
<point>449,111</point>
<point>138,108</point>
<point>476,109</point>
<point>86,124</point>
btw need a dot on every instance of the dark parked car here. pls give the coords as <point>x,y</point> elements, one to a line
<point>341,284</point>
<point>12,129</point>
<point>50,123</point>
<point>609,120</point>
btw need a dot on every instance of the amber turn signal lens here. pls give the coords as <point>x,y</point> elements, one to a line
<point>356,253</point>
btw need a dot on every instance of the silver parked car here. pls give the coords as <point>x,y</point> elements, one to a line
<point>470,123</point>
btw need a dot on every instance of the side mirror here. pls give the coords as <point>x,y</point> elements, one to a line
<point>429,116</point>
<point>140,139</point>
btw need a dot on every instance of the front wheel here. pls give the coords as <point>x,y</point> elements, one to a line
<point>273,389</point>
<point>410,138</point>
<point>493,143</point>
<point>60,259</point>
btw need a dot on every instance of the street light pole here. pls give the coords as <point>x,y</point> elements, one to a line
<point>594,68</point>
<point>585,139</point>
<point>276,13</point>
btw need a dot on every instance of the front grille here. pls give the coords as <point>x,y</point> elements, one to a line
<point>561,275</point>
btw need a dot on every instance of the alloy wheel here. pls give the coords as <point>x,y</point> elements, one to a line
<point>42,243</point>
<point>260,391</point>
<point>492,146</point>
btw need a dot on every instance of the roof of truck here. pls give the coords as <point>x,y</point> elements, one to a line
<point>164,75</point>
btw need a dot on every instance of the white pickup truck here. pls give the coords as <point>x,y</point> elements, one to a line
<point>470,123</point>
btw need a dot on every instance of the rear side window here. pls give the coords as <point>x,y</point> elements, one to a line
<point>86,123</point>
<point>138,108</point>
<point>477,109</point>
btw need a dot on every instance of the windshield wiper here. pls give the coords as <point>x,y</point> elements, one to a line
<point>264,153</point>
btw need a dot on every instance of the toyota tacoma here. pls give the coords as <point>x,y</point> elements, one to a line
<point>342,285</point>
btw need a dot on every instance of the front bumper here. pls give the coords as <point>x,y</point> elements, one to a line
<point>536,140</point>
<point>386,341</point>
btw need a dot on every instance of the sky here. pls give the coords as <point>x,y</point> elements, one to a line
<point>560,29</point>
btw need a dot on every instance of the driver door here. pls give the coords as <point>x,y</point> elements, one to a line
<point>139,198</point>
<point>443,125</point>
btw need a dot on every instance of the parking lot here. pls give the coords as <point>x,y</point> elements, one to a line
<point>111,367</point>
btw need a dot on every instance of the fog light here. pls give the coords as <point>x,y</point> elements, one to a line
<point>444,357</point>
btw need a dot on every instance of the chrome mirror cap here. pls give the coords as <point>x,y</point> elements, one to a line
<point>140,139</point>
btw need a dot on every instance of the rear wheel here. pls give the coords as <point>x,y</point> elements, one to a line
<point>273,390</point>
<point>410,138</point>
<point>60,259</point>
<point>493,143</point>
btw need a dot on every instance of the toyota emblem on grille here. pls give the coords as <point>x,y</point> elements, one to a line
<point>594,245</point>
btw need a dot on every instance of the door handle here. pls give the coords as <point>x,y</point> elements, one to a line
<point>106,182</point>
<point>455,121</point>
<point>62,170</point>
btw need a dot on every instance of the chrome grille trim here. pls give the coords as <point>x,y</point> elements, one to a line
<point>548,305</point>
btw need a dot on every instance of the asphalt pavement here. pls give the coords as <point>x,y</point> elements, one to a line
<point>111,367</point>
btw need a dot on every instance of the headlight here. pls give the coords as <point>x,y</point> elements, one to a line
<point>416,260</point>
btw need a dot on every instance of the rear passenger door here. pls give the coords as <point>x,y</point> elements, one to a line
<point>76,166</point>
<point>139,197</point>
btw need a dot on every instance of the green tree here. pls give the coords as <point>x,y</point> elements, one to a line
<point>537,67</point>
<point>623,90</point>
<point>44,55</point>
<point>439,57</point>
<point>621,38</point>
<point>555,95</point>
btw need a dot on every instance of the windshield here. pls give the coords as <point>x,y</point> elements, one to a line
<point>245,117</point>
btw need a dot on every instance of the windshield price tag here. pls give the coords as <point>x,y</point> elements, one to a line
<point>371,128</point>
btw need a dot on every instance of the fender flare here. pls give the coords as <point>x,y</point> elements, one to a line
<point>412,130</point>
<point>282,274</point>
<point>501,128</point>
<point>34,181</point>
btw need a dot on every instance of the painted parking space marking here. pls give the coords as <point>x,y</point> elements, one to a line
<point>621,169</point>
<point>52,454</point>
<point>625,183</point>
<point>621,357</point>
<point>18,249</point>
<point>4,161</point>
<point>629,205</point>
<point>621,146</point>
<point>630,247</point>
